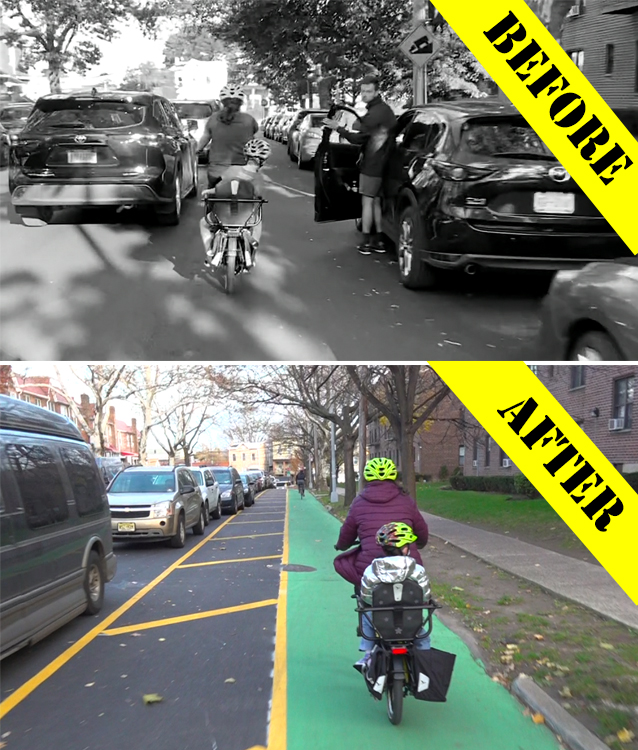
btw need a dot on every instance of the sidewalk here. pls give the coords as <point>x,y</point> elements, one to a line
<point>576,580</point>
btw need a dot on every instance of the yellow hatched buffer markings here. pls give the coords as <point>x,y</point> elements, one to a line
<point>557,456</point>
<point>223,562</point>
<point>557,100</point>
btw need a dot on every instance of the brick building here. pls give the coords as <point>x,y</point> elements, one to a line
<point>598,397</point>
<point>250,456</point>
<point>601,37</point>
<point>439,443</point>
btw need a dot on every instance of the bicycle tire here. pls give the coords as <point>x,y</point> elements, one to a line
<point>231,260</point>
<point>395,695</point>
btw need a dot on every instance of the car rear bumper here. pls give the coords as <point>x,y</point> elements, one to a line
<point>145,528</point>
<point>78,194</point>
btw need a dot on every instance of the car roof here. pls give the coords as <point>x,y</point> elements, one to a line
<point>193,101</point>
<point>159,469</point>
<point>472,107</point>
<point>136,97</point>
<point>20,415</point>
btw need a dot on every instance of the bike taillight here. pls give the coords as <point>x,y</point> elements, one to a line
<point>399,651</point>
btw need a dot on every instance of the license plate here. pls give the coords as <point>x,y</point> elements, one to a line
<point>554,203</point>
<point>127,526</point>
<point>82,157</point>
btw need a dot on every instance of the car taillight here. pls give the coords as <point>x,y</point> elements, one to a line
<point>458,173</point>
<point>148,139</point>
<point>400,651</point>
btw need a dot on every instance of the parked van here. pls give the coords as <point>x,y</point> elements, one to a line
<point>56,548</point>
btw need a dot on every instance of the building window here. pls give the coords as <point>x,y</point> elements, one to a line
<point>609,59</point>
<point>550,371</point>
<point>461,455</point>
<point>504,458</point>
<point>534,369</point>
<point>234,457</point>
<point>578,57</point>
<point>253,456</point>
<point>475,452</point>
<point>577,376</point>
<point>243,456</point>
<point>623,400</point>
<point>488,449</point>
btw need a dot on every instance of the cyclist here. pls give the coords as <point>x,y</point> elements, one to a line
<point>301,481</point>
<point>394,566</point>
<point>227,131</point>
<point>382,501</point>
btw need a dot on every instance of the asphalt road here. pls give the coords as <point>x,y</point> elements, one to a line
<point>212,669</point>
<point>99,285</point>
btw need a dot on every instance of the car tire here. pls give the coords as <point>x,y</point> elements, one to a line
<point>171,217</point>
<point>414,272</point>
<point>217,513</point>
<point>198,528</point>
<point>291,156</point>
<point>243,503</point>
<point>179,540</point>
<point>206,514</point>
<point>596,346</point>
<point>301,164</point>
<point>94,584</point>
<point>251,501</point>
<point>192,193</point>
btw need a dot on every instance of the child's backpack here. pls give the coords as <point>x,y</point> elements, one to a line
<point>397,624</point>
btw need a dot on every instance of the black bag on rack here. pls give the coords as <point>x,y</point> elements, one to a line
<point>431,674</point>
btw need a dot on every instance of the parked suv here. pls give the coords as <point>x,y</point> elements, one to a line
<point>231,488</point>
<point>116,148</point>
<point>156,503</point>
<point>209,487</point>
<point>56,550</point>
<point>469,184</point>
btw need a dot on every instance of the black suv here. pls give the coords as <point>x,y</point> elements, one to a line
<point>470,184</point>
<point>115,148</point>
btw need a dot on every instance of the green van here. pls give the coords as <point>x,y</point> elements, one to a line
<point>56,548</point>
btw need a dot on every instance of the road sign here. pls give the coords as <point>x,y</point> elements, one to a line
<point>419,45</point>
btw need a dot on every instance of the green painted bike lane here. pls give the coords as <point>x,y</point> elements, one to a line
<point>328,705</point>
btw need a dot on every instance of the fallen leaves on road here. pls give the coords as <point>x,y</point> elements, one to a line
<point>539,637</point>
<point>152,698</point>
<point>625,735</point>
<point>89,684</point>
<point>538,718</point>
<point>456,588</point>
<point>230,679</point>
<point>607,646</point>
<point>565,693</point>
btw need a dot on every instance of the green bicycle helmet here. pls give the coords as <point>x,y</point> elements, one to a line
<point>395,534</point>
<point>379,468</point>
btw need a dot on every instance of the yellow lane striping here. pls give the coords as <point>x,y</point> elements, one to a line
<point>223,562</point>
<point>30,685</point>
<point>249,536</point>
<point>189,618</point>
<point>277,730</point>
<point>272,520</point>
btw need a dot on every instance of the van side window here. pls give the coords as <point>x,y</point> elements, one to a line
<point>85,482</point>
<point>40,484</point>
<point>209,479</point>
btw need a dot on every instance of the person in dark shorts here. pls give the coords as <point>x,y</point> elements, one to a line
<point>374,135</point>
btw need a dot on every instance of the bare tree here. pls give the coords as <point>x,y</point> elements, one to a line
<point>407,396</point>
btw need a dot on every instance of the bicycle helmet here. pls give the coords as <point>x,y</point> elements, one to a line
<point>395,535</point>
<point>257,149</point>
<point>380,468</point>
<point>232,92</point>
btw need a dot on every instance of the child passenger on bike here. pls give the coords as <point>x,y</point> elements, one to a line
<point>394,566</point>
<point>249,184</point>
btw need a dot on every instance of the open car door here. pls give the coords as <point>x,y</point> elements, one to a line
<point>336,173</point>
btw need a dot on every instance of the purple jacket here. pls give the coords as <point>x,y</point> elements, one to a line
<point>378,504</point>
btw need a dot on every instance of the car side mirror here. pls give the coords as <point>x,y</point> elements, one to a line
<point>187,489</point>
<point>191,125</point>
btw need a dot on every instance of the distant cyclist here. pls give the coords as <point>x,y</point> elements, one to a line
<point>227,131</point>
<point>301,481</point>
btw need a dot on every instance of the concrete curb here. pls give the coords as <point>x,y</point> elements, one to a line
<point>571,731</point>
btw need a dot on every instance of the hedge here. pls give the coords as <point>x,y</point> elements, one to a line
<point>516,485</point>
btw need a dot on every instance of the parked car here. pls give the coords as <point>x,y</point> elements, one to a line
<point>282,127</point>
<point>592,313</point>
<point>199,112</point>
<point>304,138</point>
<point>110,466</point>
<point>118,148</point>
<point>470,185</point>
<point>248,481</point>
<point>273,125</point>
<point>209,487</point>
<point>260,478</point>
<point>265,125</point>
<point>281,480</point>
<point>231,488</point>
<point>13,117</point>
<point>56,550</point>
<point>155,503</point>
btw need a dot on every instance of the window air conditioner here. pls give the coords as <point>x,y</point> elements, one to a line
<point>616,424</point>
<point>506,463</point>
<point>573,11</point>
<point>475,463</point>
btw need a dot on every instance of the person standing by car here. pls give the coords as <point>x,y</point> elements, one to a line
<point>374,136</point>
<point>227,131</point>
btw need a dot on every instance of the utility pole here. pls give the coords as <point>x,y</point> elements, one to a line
<point>317,464</point>
<point>420,14</point>
<point>363,448</point>
<point>334,498</point>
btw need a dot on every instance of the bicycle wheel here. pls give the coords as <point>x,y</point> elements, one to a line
<point>395,694</point>
<point>231,260</point>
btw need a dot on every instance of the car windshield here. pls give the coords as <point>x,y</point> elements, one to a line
<point>503,137</point>
<point>194,111</point>
<point>14,115</point>
<point>198,476</point>
<point>85,113</point>
<point>223,476</point>
<point>143,481</point>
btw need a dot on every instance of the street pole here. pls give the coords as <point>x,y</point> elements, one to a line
<point>317,464</point>
<point>420,73</point>
<point>363,419</point>
<point>334,498</point>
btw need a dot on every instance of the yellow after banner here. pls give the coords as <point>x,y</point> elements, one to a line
<point>564,465</point>
<point>557,100</point>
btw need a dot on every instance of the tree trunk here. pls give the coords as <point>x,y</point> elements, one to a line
<point>187,456</point>
<point>53,73</point>
<point>408,480</point>
<point>348,469</point>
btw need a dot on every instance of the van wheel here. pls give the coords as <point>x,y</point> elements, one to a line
<point>217,513</point>
<point>94,584</point>
<point>198,528</point>
<point>415,273</point>
<point>179,540</point>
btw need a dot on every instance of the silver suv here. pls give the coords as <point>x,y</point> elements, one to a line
<point>209,487</point>
<point>156,503</point>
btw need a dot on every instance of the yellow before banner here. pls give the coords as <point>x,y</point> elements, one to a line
<point>558,458</point>
<point>557,100</point>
